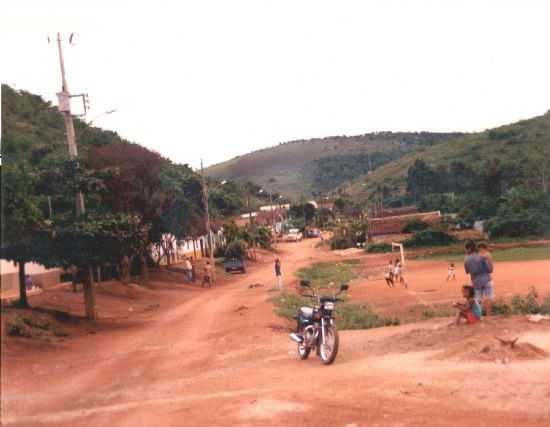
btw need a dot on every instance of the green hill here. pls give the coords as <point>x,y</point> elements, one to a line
<point>320,165</point>
<point>33,131</point>
<point>524,143</point>
<point>361,164</point>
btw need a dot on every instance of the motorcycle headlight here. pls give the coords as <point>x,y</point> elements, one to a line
<point>329,306</point>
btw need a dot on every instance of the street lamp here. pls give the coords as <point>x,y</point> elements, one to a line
<point>89,123</point>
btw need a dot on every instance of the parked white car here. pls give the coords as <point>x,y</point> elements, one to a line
<point>293,235</point>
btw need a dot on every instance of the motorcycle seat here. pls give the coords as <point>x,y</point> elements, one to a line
<point>306,312</point>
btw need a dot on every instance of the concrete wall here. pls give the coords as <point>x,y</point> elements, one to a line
<point>9,279</point>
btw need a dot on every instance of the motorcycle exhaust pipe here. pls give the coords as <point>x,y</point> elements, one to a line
<point>297,338</point>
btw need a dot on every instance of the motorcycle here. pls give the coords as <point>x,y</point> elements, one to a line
<point>316,328</point>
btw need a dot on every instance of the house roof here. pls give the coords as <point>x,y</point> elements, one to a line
<point>405,210</point>
<point>395,224</point>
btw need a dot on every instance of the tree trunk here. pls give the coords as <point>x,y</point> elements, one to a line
<point>99,274</point>
<point>144,269</point>
<point>22,287</point>
<point>89,297</point>
<point>125,270</point>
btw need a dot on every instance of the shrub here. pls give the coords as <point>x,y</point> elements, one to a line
<point>17,328</point>
<point>236,249</point>
<point>430,238</point>
<point>379,248</point>
<point>264,237</point>
<point>219,252</point>
<point>500,307</point>
<point>415,225</point>
<point>545,307</point>
<point>37,323</point>
<point>527,305</point>
<point>516,225</point>
<point>341,243</point>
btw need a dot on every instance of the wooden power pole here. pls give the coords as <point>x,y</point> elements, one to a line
<point>64,99</point>
<point>207,220</point>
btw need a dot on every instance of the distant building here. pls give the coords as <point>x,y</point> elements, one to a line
<point>274,207</point>
<point>405,210</point>
<point>395,224</point>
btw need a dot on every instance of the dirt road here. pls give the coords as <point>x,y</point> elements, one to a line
<point>221,357</point>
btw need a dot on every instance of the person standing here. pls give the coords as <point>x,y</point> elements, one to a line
<point>278,274</point>
<point>399,275</point>
<point>479,269</point>
<point>188,269</point>
<point>193,270</point>
<point>28,283</point>
<point>389,274</point>
<point>207,278</point>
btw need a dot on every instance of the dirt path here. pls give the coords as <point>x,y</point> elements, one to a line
<point>220,358</point>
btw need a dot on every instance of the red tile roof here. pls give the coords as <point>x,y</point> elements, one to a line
<point>395,224</point>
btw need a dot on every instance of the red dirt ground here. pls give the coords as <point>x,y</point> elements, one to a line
<point>177,355</point>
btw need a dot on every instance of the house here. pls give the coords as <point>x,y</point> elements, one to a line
<point>405,210</point>
<point>395,224</point>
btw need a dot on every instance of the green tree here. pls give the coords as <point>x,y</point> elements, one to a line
<point>94,240</point>
<point>22,220</point>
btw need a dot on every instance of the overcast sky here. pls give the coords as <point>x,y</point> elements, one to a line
<point>215,79</point>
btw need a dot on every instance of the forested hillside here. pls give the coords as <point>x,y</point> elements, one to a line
<point>523,147</point>
<point>133,196</point>
<point>320,165</point>
<point>500,175</point>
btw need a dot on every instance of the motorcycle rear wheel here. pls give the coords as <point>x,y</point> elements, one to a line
<point>329,350</point>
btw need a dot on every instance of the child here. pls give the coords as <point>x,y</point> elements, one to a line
<point>451,273</point>
<point>207,278</point>
<point>487,300</point>
<point>398,274</point>
<point>389,274</point>
<point>483,250</point>
<point>470,310</point>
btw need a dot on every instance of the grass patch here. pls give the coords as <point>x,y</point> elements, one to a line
<point>431,311</point>
<point>537,253</point>
<point>328,275</point>
<point>348,316</point>
<point>361,316</point>
<point>352,261</point>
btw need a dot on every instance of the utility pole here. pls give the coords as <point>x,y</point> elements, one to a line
<point>64,98</point>
<point>210,242</point>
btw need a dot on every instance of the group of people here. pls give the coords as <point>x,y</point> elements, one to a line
<point>478,296</point>
<point>395,274</point>
<point>191,275</point>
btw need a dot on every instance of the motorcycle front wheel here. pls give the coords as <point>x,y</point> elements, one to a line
<point>303,349</point>
<point>329,349</point>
